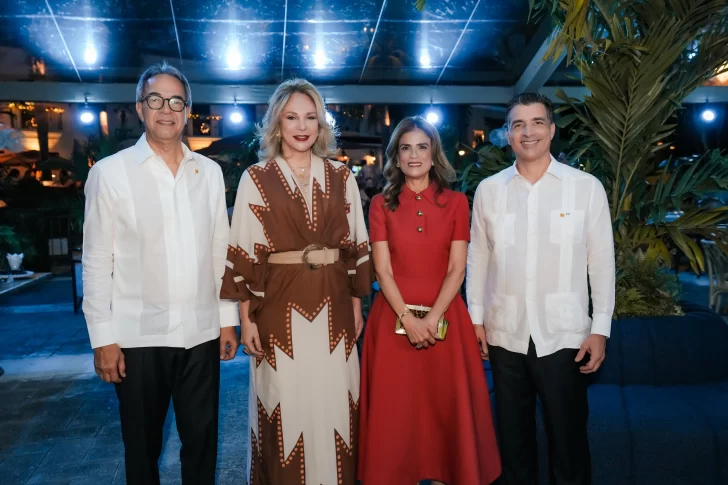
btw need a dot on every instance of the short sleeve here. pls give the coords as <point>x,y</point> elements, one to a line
<point>377,220</point>
<point>461,231</point>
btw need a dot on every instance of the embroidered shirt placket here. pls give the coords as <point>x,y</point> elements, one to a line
<point>531,260</point>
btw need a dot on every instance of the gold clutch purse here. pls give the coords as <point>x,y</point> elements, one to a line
<point>421,312</point>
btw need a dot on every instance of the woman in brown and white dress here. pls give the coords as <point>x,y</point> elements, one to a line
<point>299,263</point>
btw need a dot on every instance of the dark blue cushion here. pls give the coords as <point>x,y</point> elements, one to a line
<point>691,350</point>
<point>672,444</point>
<point>674,350</point>
<point>711,402</point>
<point>609,436</point>
<point>645,435</point>
<point>659,404</point>
<point>610,371</point>
<point>609,439</point>
<point>637,358</point>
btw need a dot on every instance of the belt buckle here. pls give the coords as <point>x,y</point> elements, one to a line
<point>304,258</point>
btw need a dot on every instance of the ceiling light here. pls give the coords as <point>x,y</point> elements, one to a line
<point>425,60</point>
<point>432,117</point>
<point>708,115</point>
<point>233,57</point>
<point>90,55</point>
<point>461,152</point>
<point>236,117</point>
<point>320,60</point>
<point>87,117</point>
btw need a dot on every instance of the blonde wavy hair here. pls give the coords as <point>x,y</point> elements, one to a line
<point>268,129</point>
<point>441,172</point>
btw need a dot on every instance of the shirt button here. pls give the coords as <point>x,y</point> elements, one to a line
<point>419,197</point>
<point>419,213</point>
<point>419,229</point>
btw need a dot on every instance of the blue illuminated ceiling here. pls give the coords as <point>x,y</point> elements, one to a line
<point>453,42</point>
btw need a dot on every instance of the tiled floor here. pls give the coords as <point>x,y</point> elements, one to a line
<point>66,431</point>
<point>59,424</point>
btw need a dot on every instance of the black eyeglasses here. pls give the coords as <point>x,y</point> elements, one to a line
<point>155,101</point>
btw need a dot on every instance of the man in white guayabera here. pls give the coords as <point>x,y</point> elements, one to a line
<point>154,250</point>
<point>539,229</point>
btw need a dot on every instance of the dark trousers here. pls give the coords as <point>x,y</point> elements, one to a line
<point>191,378</point>
<point>556,379</point>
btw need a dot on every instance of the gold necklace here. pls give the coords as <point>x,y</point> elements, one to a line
<point>301,178</point>
<point>295,169</point>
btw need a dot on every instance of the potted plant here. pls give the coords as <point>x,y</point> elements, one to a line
<point>639,61</point>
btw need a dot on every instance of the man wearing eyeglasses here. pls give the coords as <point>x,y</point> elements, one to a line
<point>154,251</point>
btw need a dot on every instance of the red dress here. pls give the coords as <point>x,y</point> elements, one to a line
<point>425,414</point>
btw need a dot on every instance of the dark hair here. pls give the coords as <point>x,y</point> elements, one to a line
<point>527,99</point>
<point>441,172</point>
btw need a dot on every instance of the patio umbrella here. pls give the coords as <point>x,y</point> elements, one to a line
<point>56,163</point>
<point>32,157</point>
<point>227,144</point>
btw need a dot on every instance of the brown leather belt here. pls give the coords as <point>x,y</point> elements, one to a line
<point>313,256</point>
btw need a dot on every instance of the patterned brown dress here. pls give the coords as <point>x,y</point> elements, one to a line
<point>304,395</point>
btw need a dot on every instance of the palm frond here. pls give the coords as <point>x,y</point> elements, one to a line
<point>491,160</point>
<point>639,60</point>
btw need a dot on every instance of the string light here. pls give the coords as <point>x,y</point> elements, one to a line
<point>27,106</point>
<point>195,116</point>
<point>22,106</point>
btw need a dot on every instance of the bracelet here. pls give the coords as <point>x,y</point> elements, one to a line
<point>404,313</point>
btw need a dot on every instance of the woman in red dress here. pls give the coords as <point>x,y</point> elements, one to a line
<point>425,409</point>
